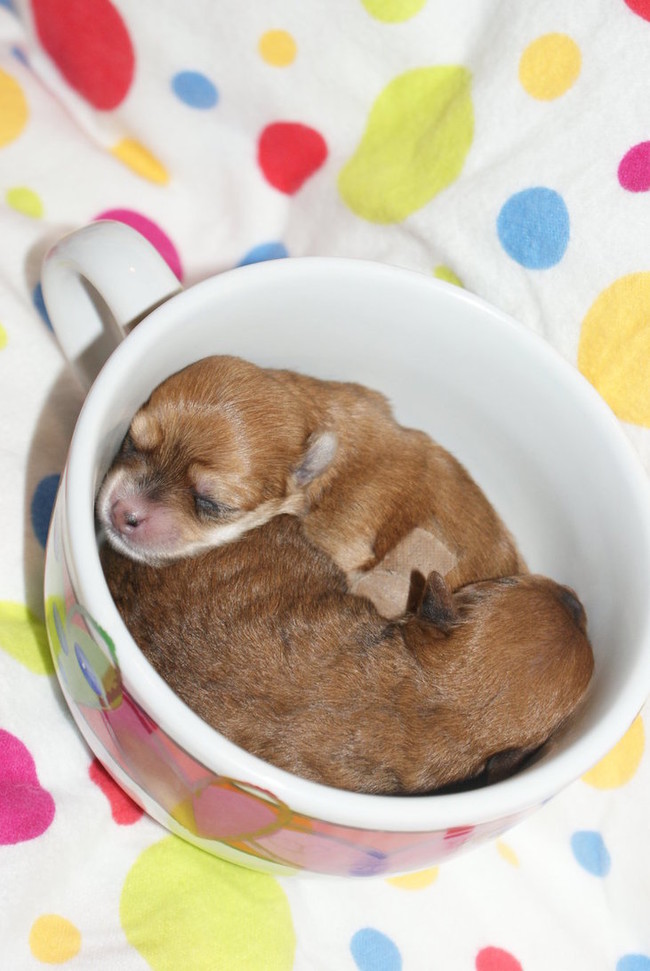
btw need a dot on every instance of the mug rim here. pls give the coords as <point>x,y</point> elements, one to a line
<point>419,813</point>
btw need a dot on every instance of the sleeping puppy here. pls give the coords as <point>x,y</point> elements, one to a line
<point>263,641</point>
<point>223,446</point>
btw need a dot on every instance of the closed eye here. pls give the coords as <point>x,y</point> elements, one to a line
<point>128,448</point>
<point>210,508</point>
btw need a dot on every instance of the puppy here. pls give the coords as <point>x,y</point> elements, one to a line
<point>223,446</point>
<point>263,641</point>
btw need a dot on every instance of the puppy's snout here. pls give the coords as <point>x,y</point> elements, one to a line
<point>570,600</point>
<point>127,515</point>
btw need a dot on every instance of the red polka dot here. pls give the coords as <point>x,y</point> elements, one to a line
<point>495,959</point>
<point>634,170</point>
<point>151,231</point>
<point>288,153</point>
<point>123,810</point>
<point>89,43</point>
<point>641,7</point>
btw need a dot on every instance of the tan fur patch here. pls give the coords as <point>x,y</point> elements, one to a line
<point>388,584</point>
<point>146,431</point>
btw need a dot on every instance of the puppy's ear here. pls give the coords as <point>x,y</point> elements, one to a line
<point>319,455</point>
<point>437,604</point>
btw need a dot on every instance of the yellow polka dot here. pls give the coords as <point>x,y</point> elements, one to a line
<point>277,47</point>
<point>13,109</point>
<point>445,273</point>
<point>415,881</point>
<point>54,940</point>
<point>25,200</point>
<point>393,11</point>
<point>549,66</point>
<point>180,907</point>
<point>140,160</point>
<point>621,763</point>
<point>3,337</point>
<point>507,853</point>
<point>614,347</point>
<point>22,635</point>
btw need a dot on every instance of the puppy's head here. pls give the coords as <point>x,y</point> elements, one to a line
<point>219,448</point>
<point>509,661</point>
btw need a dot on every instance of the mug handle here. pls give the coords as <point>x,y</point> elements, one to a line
<point>98,282</point>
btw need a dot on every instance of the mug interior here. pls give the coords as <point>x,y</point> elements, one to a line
<point>536,437</point>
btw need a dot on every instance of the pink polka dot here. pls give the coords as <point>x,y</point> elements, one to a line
<point>640,7</point>
<point>496,959</point>
<point>151,231</point>
<point>89,43</point>
<point>634,170</point>
<point>26,808</point>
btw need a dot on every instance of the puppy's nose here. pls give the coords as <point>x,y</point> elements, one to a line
<point>570,600</point>
<point>126,515</point>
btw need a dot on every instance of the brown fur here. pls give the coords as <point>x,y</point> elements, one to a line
<point>261,442</point>
<point>262,640</point>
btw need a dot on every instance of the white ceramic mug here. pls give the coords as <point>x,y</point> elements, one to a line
<point>538,439</point>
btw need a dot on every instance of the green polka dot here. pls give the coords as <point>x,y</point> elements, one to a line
<point>25,200</point>
<point>182,908</point>
<point>3,337</point>
<point>393,11</point>
<point>418,134</point>
<point>445,273</point>
<point>23,636</point>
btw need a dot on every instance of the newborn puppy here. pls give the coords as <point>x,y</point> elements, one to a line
<point>262,640</point>
<point>223,446</point>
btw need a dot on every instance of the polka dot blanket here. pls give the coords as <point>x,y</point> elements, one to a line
<point>502,146</point>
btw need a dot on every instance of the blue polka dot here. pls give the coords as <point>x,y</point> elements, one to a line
<point>265,251</point>
<point>591,853</point>
<point>195,89</point>
<point>39,303</point>
<point>373,951</point>
<point>42,506</point>
<point>8,4</point>
<point>533,228</point>
<point>633,962</point>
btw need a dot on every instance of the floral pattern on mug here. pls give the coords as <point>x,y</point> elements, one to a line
<point>83,652</point>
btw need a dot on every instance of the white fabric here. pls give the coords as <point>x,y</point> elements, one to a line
<point>569,888</point>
